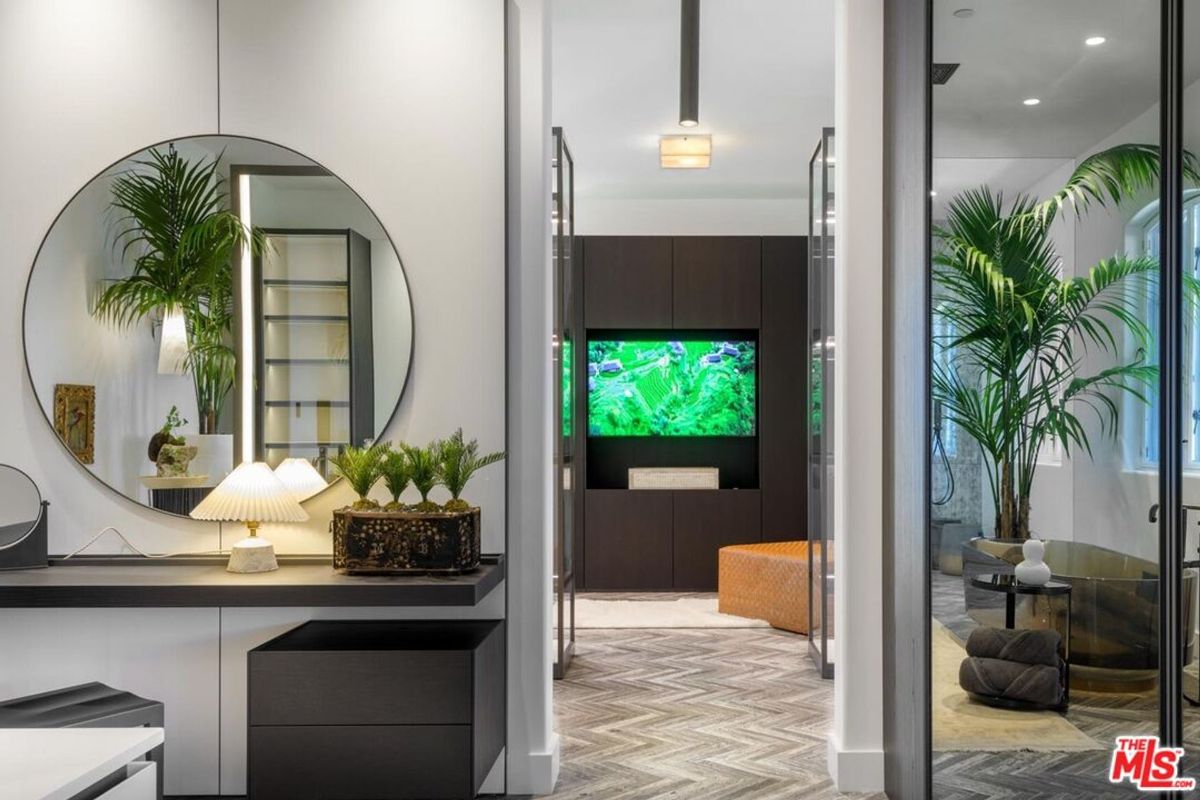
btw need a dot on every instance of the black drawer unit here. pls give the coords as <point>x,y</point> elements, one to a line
<point>376,710</point>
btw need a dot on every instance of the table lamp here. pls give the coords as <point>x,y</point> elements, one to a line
<point>300,477</point>
<point>253,495</point>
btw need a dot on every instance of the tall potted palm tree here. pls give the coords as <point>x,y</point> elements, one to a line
<point>174,228</point>
<point>1015,377</point>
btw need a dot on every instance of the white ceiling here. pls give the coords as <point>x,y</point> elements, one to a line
<point>766,90</point>
<point>1011,50</point>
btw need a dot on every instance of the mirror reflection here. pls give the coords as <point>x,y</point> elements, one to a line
<point>210,299</point>
<point>20,505</point>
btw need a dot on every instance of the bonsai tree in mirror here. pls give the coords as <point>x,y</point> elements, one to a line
<point>361,467</point>
<point>171,454</point>
<point>394,468</point>
<point>423,471</point>
<point>458,461</point>
<point>1017,359</point>
<point>166,434</point>
<point>173,226</point>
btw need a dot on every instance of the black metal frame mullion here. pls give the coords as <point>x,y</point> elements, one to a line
<point>1170,477</point>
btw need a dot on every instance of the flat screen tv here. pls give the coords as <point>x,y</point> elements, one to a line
<point>672,386</point>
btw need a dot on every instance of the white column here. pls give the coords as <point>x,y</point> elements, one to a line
<point>856,741</point>
<point>533,746</point>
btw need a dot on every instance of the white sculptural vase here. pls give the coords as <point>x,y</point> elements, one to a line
<point>1033,571</point>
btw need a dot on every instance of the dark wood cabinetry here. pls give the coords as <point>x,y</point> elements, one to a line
<point>627,540</point>
<point>716,281</point>
<point>353,710</point>
<point>659,540</point>
<point>704,523</point>
<point>782,359</point>
<point>627,282</point>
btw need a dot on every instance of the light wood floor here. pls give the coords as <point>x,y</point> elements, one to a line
<point>690,714</point>
<point>1049,776</point>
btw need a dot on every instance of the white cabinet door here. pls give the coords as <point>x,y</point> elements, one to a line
<point>166,654</point>
<point>140,783</point>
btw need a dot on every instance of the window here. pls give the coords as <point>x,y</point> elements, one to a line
<point>1149,241</point>
<point>944,332</point>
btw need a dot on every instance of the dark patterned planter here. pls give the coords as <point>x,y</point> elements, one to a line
<point>404,542</point>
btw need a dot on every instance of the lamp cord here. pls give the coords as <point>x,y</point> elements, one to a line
<point>138,550</point>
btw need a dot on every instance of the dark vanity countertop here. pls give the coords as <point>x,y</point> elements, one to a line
<point>126,582</point>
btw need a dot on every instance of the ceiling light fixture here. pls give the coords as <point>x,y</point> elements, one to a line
<point>1094,41</point>
<point>685,151</point>
<point>1031,101</point>
<point>933,192</point>
<point>965,13</point>
<point>689,63</point>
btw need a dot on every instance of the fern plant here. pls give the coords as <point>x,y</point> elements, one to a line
<point>458,461</point>
<point>423,471</point>
<point>361,467</point>
<point>1016,377</point>
<point>174,227</point>
<point>396,476</point>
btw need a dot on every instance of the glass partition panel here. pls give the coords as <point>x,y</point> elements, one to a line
<point>1044,444</point>
<point>1190,385</point>
<point>820,404</point>
<point>563,231</point>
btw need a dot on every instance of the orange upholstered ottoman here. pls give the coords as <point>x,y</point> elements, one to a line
<point>767,581</point>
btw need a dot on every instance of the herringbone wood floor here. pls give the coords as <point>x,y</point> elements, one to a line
<point>693,714</point>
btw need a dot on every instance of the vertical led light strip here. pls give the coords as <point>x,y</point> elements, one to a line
<point>247,307</point>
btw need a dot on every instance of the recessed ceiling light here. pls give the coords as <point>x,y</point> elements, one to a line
<point>964,13</point>
<point>1031,101</point>
<point>933,192</point>
<point>1094,41</point>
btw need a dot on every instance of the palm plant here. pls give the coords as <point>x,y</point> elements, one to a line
<point>361,467</point>
<point>396,477</point>
<point>1017,371</point>
<point>458,461</point>
<point>423,471</point>
<point>174,228</point>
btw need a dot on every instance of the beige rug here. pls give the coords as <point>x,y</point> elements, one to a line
<point>960,723</point>
<point>684,612</point>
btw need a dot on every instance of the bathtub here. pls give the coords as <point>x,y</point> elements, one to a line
<point>1114,608</point>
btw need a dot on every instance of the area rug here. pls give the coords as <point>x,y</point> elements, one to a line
<point>681,612</point>
<point>960,723</point>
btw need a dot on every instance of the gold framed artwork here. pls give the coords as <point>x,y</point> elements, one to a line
<point>75,419</point>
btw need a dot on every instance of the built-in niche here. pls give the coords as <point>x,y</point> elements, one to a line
<point>694,356</point>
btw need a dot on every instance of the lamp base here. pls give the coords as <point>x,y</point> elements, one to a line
<point>252,554</point>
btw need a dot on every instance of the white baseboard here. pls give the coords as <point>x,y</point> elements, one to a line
<point>536,773</point>
<point>855,770</point>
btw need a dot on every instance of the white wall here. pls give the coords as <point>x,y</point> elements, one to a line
<point>529,410</point>
<point>856,741</point>
<point>74,102</point>
<point>611,216</point>
<point>404,100</point>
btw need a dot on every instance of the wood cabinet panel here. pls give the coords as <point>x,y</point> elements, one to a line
<point>352,762</point>
<point>627,281</point>
<point>706,521</point>
<point>717,281</point>
<point>627,540</point>
<point>783,384</point>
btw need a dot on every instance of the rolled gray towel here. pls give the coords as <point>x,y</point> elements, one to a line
<point>1023,646</point>
<point>1025,683</point>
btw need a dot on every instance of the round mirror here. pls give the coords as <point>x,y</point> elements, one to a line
<point>20,506</point>
<point>209,299</point>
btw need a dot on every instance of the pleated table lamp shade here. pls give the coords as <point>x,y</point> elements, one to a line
<point>300,477</point>
<point>251,494</point>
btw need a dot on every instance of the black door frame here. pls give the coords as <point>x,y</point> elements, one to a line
<point>908,158</point>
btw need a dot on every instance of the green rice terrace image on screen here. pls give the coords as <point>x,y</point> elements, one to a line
<point>671,388</point>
